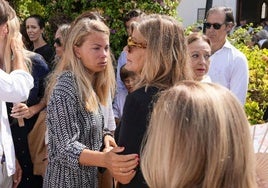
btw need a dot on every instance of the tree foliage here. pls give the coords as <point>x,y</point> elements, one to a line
<point>61,11</point>
<point>257,95</point>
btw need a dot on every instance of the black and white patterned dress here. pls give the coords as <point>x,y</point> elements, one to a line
<point>70,130</point>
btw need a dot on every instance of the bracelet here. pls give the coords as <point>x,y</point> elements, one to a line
<point>108,134</point>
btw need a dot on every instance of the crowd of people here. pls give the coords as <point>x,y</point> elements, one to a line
<point>172,115</point>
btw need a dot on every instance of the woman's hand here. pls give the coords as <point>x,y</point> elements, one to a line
<point>122,167</point>
<point>109,143</point>
<point>21,110</point>
<point>17,175</point>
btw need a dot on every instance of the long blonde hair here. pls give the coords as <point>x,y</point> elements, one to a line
<point>166,52</point>
<point>13,25</point>
<point>92,88</point>
<point>199,138</point>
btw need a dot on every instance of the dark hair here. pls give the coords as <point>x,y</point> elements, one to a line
<point>124,73</point>
<point>132,14</point>
<point>40,20</point>
<point>229,17</point>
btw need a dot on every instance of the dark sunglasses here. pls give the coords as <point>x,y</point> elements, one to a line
<point>131,44</point>
<point>216,26</point>
<point>57,41</point>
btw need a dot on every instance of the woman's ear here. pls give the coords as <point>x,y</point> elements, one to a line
<point>77,51</point>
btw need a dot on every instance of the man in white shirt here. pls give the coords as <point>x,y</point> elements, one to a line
<point>228,66</point>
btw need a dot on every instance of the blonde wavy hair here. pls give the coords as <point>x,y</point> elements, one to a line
<point>13,26</point>
<point>166,51</point>
<point>92,88</point>
<point>198,137</point>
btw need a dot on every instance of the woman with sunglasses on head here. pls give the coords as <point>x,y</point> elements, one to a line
<point>157,52</point>
<point>35,28</point>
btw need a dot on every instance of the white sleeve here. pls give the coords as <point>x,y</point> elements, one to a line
<point>15,87</point>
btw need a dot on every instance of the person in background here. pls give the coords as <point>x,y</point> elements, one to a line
<point>27,111</point>
<point>121,90</point>
<point>199,49</point>
<point>35,28</point>
<point>129,78</point>
<point>59,40</point>
<point>204,119</point>
<point>75,122</point>
<point>15,85</point>
<point>160,62</point>
<point>228,66</point>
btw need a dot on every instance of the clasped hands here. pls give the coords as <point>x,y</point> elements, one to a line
<point>122,167</point>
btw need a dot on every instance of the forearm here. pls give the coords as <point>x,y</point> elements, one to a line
<point>92,158</point>
<point>38,107</point>
<point>18,62</point>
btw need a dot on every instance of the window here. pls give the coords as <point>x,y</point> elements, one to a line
<point>201,14</point>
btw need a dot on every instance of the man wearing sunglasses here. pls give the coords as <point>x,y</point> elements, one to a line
<point>228,65</point>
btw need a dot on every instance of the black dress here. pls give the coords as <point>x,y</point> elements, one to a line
<point>135,119</point>
<point>48,54</point>
<point>39,72</point>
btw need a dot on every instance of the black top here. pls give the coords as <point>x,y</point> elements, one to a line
<point>135,119</point>
<point>48,54</point>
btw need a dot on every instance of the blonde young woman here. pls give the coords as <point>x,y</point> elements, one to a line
<point>28,111</point>
<point>15,85</point>
<point>157,53</point>
<point>74,119</point>
<point>199,137</point>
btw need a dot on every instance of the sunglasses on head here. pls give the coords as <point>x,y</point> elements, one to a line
<point>132,44</point>
<point>216,26</point>
<point>57,41</point>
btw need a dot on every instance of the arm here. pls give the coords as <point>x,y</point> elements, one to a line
<point>15,87</point>
<point>119,165</point>
<point>21,110</point>
<point>240,78</point>
<point>133,126</point>
<point>121,61</point>
<point>64,132</point>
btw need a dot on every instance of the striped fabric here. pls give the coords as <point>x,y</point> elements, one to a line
<point>70,130</point>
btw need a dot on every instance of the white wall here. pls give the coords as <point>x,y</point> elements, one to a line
<point>187,9</point>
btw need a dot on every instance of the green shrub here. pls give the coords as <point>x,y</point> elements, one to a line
<point>112,10</point>
<point>257,96</point>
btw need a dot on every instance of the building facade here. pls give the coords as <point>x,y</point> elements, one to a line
<point>254,11</point>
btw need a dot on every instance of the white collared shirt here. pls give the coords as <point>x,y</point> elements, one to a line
<point>229,67</point>
<point>14,87</point>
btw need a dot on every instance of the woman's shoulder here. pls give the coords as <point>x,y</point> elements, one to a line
<point>66,76</point>
<point>150,90</point>
<point>66,84</point>
<point>144,93</point>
